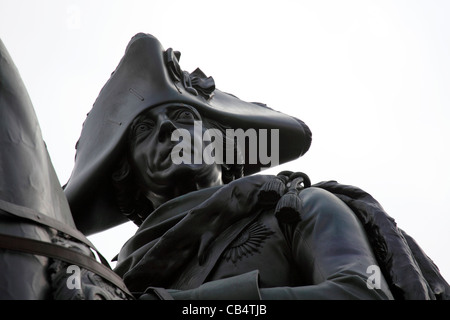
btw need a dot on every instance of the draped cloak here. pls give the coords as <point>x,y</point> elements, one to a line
<point>326,239</point>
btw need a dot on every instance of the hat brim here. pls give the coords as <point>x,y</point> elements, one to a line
<point>142,80</point>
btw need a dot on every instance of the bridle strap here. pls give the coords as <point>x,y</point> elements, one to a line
<point>42,219</point>
<point>71,256</point>
<point>51,250</point>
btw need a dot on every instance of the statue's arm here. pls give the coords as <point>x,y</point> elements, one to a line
<point>331,248</point>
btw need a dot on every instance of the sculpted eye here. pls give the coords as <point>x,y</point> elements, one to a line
<point>143,127</point>
<point>185,115</point>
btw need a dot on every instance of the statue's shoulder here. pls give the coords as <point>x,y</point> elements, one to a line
<point>319,197</point>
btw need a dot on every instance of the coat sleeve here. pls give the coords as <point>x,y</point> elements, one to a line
<point>331,248</point>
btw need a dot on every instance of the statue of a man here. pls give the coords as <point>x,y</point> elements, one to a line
<point>211,229</point>
<point>166,149</point>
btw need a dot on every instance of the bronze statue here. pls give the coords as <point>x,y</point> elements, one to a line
<point>166,149</point>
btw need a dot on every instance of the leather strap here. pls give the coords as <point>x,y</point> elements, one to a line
<point>42,219</point>
<point>32,246</point>
<point>61,253</point>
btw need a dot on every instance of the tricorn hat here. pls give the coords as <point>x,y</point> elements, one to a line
<point>146,77</point>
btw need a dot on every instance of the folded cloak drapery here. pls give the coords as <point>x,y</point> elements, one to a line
<point>411,274</point>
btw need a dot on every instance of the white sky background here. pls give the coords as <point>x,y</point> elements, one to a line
<point>370,78</point>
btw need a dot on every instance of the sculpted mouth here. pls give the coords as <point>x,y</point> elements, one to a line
<point>165,165</point>
<point>163,162</point>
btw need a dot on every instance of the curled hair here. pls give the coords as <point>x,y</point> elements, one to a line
<point>130,200</point>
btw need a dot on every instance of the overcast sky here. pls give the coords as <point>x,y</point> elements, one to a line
<point>370,78</point>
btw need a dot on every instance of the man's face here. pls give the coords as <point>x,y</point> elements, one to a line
<point>150,154</point>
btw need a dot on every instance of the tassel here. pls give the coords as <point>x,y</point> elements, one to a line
<point>288,209</point>
<point>272,190</point>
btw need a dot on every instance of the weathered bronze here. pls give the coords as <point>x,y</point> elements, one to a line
<point>207,229</point>
<point>38,237</point>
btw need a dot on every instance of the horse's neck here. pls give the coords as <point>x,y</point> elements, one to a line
<point>27,176</point>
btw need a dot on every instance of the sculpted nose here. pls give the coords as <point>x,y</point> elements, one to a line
<point>165,130</point>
